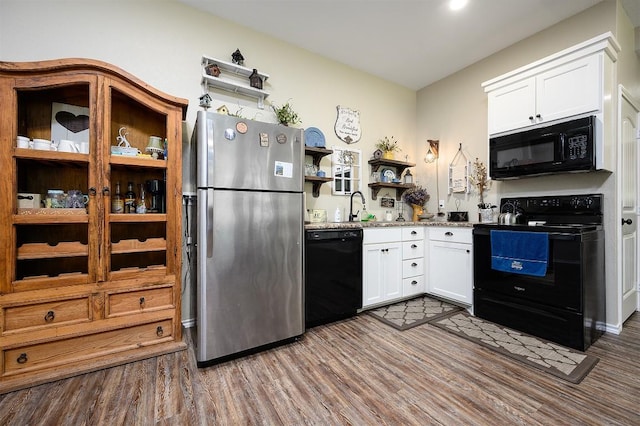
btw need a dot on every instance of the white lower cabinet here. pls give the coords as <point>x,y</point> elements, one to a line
<point>412,261</point>
<point>451,263</point>
<point>393,264</point>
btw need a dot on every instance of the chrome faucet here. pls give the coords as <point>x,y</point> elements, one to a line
<point>351,215</point>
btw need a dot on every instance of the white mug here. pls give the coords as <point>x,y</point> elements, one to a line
<point>68,146</point>
<point>44,145</point>
<point>84,147</point>
<point>23,142</point>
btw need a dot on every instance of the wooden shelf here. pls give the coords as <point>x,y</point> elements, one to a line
<point>317,154</point>
<point>135,246</point>
<point>317,182</point>
<point>399,187</point>
<point>54,156</point>
<point>48,251</point>
<point>130,161</point>
<point>137,217</point>
<point>399,165</point>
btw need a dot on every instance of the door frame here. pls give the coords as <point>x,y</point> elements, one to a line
<point>625,95</point>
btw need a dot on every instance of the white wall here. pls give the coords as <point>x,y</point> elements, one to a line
<point>454,110</point>
<point>162,42</point>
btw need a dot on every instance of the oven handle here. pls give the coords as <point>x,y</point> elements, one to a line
<point>552,235</point>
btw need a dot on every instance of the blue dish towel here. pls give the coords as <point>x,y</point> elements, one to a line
<point>525,253</point>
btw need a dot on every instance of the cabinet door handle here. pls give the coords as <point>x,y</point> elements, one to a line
<point>159,331</point>
<point>50,316</point>
<point>92,191</point>
<point>448,234</point>
<point>414,246</point>
<point>414,233</point>
<point>538,116</point>
<point>414,282</point>
<point>627,221</point>
<point>468,251</point>
<point>22,359</point>
<point>142,302</point>
<point>414,264</point>
<point>531,118</point>
<point>105,190</point>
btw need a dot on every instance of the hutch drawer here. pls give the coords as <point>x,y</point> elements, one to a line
<point>67,351</point>
<point>133,302</point>
<point>53,313</point>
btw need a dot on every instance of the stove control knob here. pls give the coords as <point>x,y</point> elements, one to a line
<point>576,202</point>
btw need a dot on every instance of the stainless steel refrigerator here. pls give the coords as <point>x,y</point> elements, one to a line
<point>250,235</point>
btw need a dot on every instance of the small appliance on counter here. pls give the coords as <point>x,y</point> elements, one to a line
<point>458,216</point>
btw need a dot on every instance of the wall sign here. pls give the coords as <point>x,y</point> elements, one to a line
<point>348,125</point>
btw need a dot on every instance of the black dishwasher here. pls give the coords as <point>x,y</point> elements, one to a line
<point>333,275</point>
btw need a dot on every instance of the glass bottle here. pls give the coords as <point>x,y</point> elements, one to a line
<point>117,202</point>
<point>130,199</point>
<point>141,202</point>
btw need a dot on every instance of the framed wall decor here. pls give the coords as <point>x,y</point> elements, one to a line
<point>348,125</point>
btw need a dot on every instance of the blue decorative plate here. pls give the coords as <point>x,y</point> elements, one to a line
<point>314,137</point>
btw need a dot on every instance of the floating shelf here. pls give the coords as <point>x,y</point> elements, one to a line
<point>399,187</point>
<point>399,165</point>
<point>317,182</point>
<point>233,86</point>
<point>317,154</point>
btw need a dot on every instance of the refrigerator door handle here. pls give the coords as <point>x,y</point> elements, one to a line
<point>209,223</point>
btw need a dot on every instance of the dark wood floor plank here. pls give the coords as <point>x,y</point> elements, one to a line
<point>354,372</point>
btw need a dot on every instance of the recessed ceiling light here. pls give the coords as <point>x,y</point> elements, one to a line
<point>457,4</point>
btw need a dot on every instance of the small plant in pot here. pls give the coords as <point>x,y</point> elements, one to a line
<point>481,182</point>
<point>416,197</point>
<point>388,146</point>
<point>285,114</point>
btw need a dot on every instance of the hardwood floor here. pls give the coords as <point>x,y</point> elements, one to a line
<point>355,372</point>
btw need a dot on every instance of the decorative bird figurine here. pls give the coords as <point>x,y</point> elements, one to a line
<point>237,57</point>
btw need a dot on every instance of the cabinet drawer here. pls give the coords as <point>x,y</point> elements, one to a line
<point>413,285</point>
<point>412,249</point>
<point>412,267</point>
<point>412,233</point>
<point>66,351</point>
<point>57,312</point>
<point>133,302</point>
<point>454,235</point>
<point>376,236</point>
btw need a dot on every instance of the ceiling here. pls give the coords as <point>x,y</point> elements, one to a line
<point>410,42</point>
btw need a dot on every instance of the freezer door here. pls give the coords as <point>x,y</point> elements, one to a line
<point>250,271</point>
<point>246,154</point>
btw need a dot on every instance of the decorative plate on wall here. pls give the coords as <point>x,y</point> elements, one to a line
<point>314,137</point>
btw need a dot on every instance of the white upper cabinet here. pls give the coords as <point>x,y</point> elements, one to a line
<point>512,106</point>
<point>569,83</point>
<point>571,89</point>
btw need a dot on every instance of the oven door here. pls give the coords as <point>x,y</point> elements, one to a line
<point>560,287</point>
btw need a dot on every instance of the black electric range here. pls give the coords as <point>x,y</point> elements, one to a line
<point>566,302</point>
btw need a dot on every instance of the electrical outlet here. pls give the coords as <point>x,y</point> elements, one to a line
<point>441,204</point>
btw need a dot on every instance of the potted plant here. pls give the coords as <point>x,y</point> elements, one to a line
<point>285,114</point>
<point>387,146</point>
<point>416,197</point>
<point>482,183</point>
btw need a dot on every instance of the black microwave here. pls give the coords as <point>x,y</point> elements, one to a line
<point>563,147</point>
